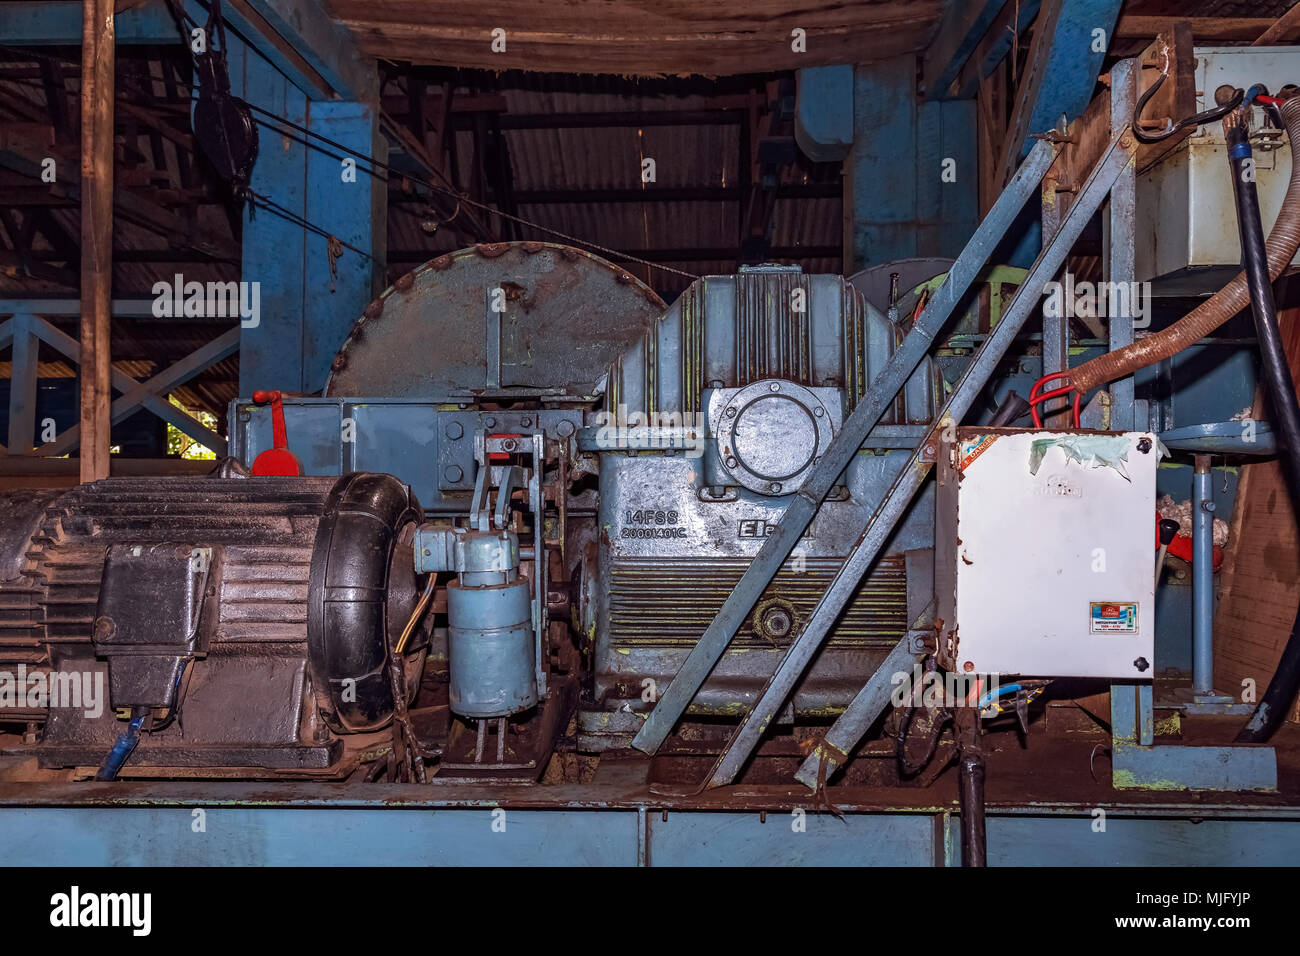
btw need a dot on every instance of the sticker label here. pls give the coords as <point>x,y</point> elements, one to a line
<point>1114,617</point>
<point>972,448</point>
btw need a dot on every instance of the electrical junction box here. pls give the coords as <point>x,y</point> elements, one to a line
<point>1185,214</point>
<point>1045,553</point>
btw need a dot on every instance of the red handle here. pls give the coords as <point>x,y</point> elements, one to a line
<point>278,460</point>
<point>1181,547</point>
<point>279,436</point>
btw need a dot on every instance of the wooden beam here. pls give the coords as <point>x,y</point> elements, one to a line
<point>1132,27</point>
<point>1286,28</point>
<point>633,37</point>
<point>98,53</point>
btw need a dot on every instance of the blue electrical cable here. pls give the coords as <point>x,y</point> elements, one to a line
<point>122,749</point>
<point>1000,692</point>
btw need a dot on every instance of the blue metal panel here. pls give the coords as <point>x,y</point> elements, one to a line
<point>884,167</point>
<point>306,312</point>
<point>392,436</point>
<point>273,246</point>
<point>800,838</point>
<point>1139,841</point>
<point>902,205</point>
<point>823,119</point>
<point>399,438</point>
<point>946,212</point>
<point>426,832</point>
<point>259,836</point>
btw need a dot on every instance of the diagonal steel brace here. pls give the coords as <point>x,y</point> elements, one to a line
<point>1118,154</point>
<point>804,504</point>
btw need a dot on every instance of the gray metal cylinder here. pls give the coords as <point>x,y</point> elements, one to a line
<point>491,649</point>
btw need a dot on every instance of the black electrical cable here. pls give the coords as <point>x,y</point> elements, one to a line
<point>1285,417</point>
<point>381,171</point>
<point>1199,119</point>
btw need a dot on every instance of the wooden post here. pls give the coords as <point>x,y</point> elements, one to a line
<point>98,57</point>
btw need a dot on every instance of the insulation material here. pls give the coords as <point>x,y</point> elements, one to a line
<point>1181,511</point>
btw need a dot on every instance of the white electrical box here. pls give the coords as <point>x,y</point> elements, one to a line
<point>1186,216</point>
<point>1045,553</point>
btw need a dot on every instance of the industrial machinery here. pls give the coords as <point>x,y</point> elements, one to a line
<point>546,521</point>
<point>581,514</point>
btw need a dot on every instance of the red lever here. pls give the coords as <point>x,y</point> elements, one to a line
<point>1181,547</point>
<point>277,460</point>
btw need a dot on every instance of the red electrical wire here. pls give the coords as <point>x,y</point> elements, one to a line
<point>1035,399</point>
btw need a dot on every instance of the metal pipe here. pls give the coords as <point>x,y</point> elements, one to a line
<point>1202,578</point>
<point>974,842</point>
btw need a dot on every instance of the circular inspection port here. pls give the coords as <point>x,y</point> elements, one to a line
<point>775,437</point>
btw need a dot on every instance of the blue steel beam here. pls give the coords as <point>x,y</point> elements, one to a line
<point>964,26</point>
<point>803,505</point>
<point>998,48</point>
<point>1117,156</point>
<point>1073,62</point>
<point>1136,764</point>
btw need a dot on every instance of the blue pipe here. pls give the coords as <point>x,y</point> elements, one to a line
<point>1202,578</point>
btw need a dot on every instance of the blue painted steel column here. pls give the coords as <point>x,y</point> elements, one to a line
<point>1202,578</point>
<point>305,311</point>
<point>908,200</point>
<point>356,212</point>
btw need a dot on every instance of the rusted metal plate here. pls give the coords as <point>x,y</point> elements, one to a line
<point>507,317</point>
